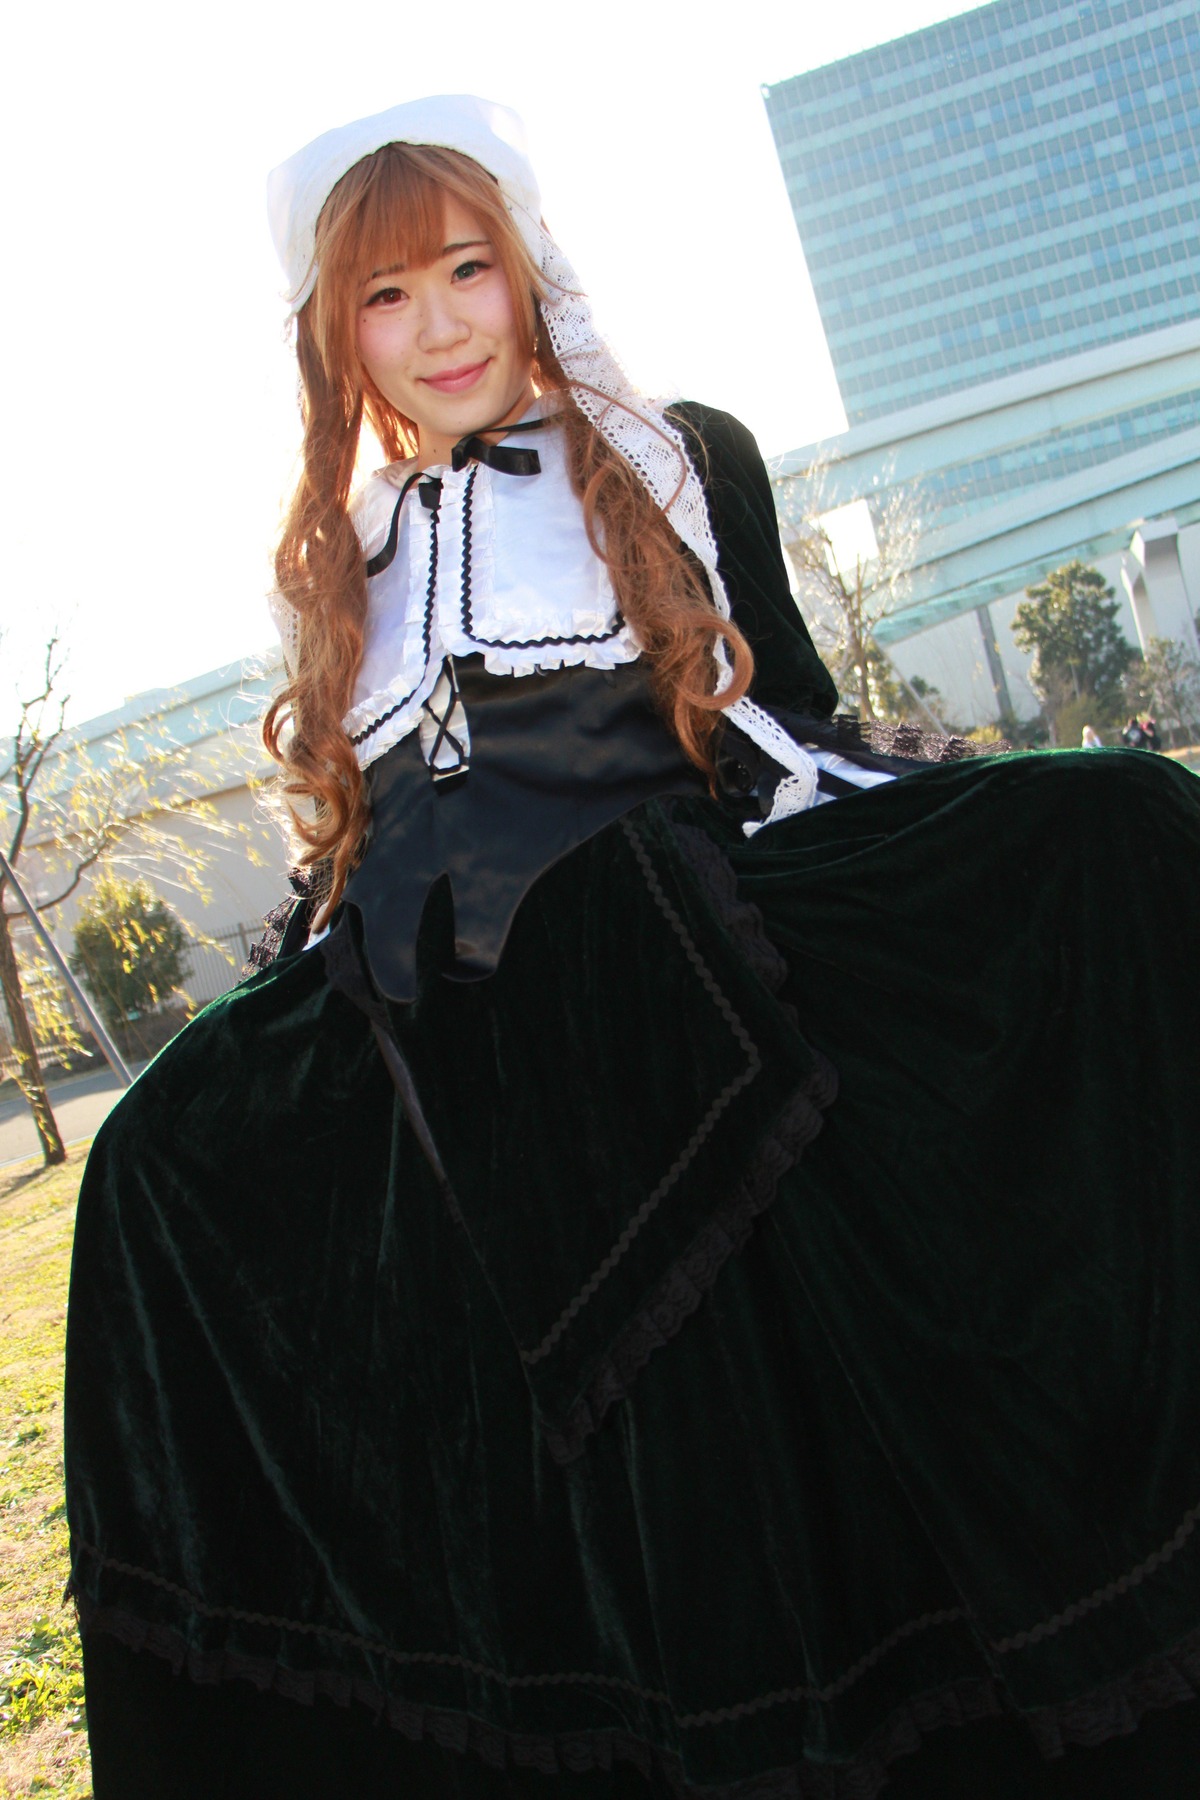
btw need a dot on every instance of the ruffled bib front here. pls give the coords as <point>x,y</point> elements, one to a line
<point>457,568</point>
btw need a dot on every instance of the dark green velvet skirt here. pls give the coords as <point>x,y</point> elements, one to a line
<point>794,1394</point>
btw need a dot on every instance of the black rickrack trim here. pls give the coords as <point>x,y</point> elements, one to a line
<point>687,1721</point>
<point>742,1709</point>
<point>468,619</point>
<point>465,601</point>
<point>694,1273</point>
<point>360,737</point>
<point>1101,1596</point>
<point>1110,1711</point>
<point>383,559</point>
<point>353,1640</point>
<point>741,918</point>
<point>685,1284</point>
<point>833,1690</point>
<point>706,1126</point>
<point>549,643</point>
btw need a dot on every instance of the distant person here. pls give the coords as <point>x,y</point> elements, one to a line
<point>1134,736</point>
<point>1150,731</point>
<point>1092,739</point>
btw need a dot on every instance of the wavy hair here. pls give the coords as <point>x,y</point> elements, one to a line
<point>388,209</point>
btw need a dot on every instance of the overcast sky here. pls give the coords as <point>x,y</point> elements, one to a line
<point>151,419</point>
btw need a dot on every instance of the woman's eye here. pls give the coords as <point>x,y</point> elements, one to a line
<point>465,270</point>
<point>387,296</point>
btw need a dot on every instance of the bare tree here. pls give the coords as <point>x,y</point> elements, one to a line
<point>845,596</point>
<point>124,808</point>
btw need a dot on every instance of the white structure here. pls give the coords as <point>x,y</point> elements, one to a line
<point>1152,576</point>
<point>974,566</point>
<point>209,723</point>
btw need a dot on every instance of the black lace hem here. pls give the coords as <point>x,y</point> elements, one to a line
<point>685,1284</point>
<point>741,918</point>
<point>1114,1710</point>
<point>683,1288</point>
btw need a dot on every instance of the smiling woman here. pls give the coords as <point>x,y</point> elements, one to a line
<point>660,1284</point>
<point>460,325</point>
<point>443,343</point>
<point>399,208</point>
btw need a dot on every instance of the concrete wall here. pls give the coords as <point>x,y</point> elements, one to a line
<point>247,873</point>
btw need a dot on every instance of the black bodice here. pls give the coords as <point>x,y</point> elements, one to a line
<point>554,758</point>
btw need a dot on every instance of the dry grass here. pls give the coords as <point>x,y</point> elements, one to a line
<point>43,1743</point>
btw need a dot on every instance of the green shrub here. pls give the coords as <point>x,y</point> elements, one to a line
<point>130,948</point>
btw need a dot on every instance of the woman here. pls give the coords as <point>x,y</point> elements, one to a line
<point>501,1360</point>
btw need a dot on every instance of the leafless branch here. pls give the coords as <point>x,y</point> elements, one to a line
<point>845,602</point>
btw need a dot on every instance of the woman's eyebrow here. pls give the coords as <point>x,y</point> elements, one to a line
<point>450,250</point>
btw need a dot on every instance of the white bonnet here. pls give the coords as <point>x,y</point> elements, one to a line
<point>491,135</point>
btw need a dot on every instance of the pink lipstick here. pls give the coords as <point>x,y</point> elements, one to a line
<point>456,381</point>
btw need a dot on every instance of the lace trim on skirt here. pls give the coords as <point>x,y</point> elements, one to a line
<point>1111,1711</point>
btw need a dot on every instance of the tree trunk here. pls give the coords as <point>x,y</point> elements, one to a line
<point>30,1079</point>
<point>862,667</point>
<point>864,691</point>
<point>861,643</point>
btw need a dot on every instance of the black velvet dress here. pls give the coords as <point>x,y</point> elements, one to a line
<point>781,1384</point>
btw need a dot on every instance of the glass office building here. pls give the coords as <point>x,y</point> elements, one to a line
<point>1015,185</point>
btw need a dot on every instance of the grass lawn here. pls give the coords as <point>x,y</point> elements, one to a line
<point>43,1744</point>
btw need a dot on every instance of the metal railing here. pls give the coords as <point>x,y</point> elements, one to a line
<point>216,961</point>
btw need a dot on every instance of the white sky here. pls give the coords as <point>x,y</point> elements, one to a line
<point>150,398</point>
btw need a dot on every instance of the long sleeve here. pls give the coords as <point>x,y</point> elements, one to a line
<point>789,673</point>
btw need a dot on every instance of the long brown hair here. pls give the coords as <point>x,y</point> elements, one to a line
<point>389,209</point>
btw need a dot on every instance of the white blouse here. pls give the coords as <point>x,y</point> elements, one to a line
<point>503,569</point>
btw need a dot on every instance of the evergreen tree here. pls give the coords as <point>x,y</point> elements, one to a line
<point>1068,622</point>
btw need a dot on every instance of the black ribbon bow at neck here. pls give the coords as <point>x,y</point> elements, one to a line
<point>506,459</point>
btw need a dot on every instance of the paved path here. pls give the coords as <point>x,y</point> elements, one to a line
<point>81,1104</point>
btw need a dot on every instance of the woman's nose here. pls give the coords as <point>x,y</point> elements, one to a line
<point>442,326</point>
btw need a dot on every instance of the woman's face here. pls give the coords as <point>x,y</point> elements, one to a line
<point>442,343</point>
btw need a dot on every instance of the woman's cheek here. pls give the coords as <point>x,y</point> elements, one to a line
<point>498,318</point>
<point>377,342</point>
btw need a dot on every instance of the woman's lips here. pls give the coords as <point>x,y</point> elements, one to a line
<point>456,381</point>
